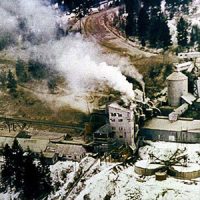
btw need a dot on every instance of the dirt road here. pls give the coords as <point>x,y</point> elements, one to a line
<point>96,27</point>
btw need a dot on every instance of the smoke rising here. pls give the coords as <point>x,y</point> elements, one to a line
<point>78,60</point>
<point>27,20</point>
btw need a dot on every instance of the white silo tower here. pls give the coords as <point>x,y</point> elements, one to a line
<point>177,84</point>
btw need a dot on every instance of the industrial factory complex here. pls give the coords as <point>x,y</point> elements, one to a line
<point>166,118</point>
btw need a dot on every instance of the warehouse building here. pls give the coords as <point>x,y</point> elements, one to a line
<point>161,129</point>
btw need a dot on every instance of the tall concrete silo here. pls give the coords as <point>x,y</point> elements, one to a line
<point>177,84</point>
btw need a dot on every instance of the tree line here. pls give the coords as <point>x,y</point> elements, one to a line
<point>150,25</point>
<point>25,72</point>
<point>22,173</point>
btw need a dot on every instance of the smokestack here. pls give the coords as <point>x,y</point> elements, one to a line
<point>143,89</point>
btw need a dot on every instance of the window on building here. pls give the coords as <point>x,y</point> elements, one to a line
<point>125,134</point>
<point>112,120</point>
<point>120,136</point>
<point>119,114</point>
<point>120,120</point>
<point>113,114</point>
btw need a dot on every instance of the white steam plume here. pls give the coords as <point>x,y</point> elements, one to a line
<point>32,19</point>
<point>79,61</point>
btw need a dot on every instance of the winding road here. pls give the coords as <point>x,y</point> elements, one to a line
<point>96,27</point>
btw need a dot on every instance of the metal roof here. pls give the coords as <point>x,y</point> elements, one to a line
<point>188,98</point>
<point>179,125</point>
<point>105,129</point>
<point>46,135</point>
<point>177,76</point>
<point>66,149</point>
<point>117,106</point>
<point>34,145</point>
<point>125,108</point>
<point>6,140</point>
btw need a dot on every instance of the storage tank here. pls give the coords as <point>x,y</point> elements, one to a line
<point>177,84</point>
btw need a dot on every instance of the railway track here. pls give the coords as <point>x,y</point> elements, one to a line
<point>9,119</point>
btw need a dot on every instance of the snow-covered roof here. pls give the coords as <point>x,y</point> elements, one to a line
<point>68,149</point>
<point>188,98</point>
<point>117,106</point>
<point>145,164</point>
<point>179,125</point>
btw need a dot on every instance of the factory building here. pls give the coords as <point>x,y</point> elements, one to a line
<point>177,84</point>
<point>104,139</point>
<point>161,129</point>
<point>122,122</point>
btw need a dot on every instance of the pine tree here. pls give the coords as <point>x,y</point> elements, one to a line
<point>164,33</point>
<point>17,163</point>
<point>7,168</point>
<point>45,175</point>
<point>132,8</point>
<point>37,69</point>
<point>3,79</point>
<point>20,172</point>
<point>143,25</point>
<point>20,71</point>
<point>52,84</point>
<point>195,35</point>
<point>31,186</point>
<point>130,27</point>
<point>153,31</point>
<point>182,36</point>
<point>11,83</point>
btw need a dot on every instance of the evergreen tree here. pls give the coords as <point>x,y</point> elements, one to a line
<point>31,186</point>
<point>132,8</point>
<point>3,79</point>
<point>17,163</point>
<point>130,28</point>
<point>52,85</point>
<point>11,83</point>
<point>7,168</point>
<point>45,175</point>
<point>20,172</point>
<point>20,71</point>
<point>154,29</point>
<point>143,25</point>
<point>164,34</point>
<point>195,35</point>
<point>182,36</point>
<point>37,69</point>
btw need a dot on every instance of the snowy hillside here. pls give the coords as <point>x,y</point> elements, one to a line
<point>104,180</point>
<point>193,18</point>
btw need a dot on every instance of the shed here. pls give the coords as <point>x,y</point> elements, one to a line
<point>188,98</point>
<point>36,146</point>
<point>46,135</point>
<point>50,157</point>
<point>67,151</point>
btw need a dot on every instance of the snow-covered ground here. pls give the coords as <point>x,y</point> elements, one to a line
<point>128,185</point>
<point>95,180</point>
<point>164,150</point>
<point>104,180</point>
